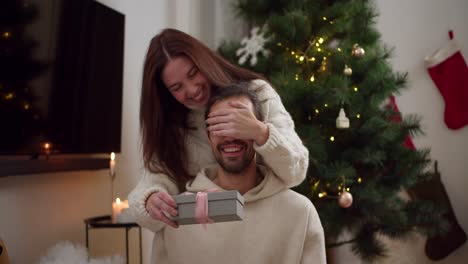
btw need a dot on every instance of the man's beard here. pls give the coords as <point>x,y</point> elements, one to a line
<point>237,166</point>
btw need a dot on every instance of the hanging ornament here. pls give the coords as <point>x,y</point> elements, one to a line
<point>347,71</point>
<point>333,44</point>
<point>342,122</point>
<point>345,199</point>
<point>251,46</point>
<point>357,51</point>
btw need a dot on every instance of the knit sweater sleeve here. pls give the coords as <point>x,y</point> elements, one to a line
<point>283,152</point>
<point>314,244</point>
<point>149,184</point>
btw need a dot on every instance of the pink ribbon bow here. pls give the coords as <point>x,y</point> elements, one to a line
<point>201,207</point>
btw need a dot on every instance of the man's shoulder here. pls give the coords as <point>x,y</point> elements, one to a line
<point>295,199</point>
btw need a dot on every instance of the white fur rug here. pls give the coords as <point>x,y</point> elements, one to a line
<point>65,252</point>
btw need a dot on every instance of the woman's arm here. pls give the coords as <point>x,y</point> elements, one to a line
<point>149,184</point>
<point>283,151</point>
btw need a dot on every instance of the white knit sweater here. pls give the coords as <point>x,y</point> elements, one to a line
<point>283,152</point>
<point>279,226</point>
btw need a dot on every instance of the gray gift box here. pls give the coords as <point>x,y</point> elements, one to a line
<point>222,207</point>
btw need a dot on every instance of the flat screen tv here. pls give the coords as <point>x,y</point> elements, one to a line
<point>61,68</point>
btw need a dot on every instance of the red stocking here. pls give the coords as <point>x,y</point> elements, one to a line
<point>449,72</point>
<point>397,118</point>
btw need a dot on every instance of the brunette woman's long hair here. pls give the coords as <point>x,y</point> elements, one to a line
<point>163,120</point>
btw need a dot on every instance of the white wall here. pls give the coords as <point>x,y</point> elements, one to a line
<point>416,29</point>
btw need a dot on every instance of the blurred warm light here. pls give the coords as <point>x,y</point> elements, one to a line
<point>322,194</point>
<point>9,96</point>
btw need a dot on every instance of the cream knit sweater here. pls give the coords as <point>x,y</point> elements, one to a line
<point>279,226</point>
<point>283,152</point>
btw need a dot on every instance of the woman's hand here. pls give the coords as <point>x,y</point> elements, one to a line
<point>237,122</point>
<point>159,205</point>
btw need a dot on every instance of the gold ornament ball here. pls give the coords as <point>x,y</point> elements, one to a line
<point>347,71</point>
<point>345,199</point>
<point>358,51</point>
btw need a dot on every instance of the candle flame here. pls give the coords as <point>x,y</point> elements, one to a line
<point>112,156</point>
<point>117,200</point>
<point>47,145</point>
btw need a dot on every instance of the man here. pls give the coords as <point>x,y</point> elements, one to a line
<point>279,226</point>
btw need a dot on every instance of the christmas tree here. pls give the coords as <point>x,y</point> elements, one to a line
<point>327,62</point>
<point>17,68</point>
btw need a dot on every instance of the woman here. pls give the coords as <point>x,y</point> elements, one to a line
<point>179,75</point>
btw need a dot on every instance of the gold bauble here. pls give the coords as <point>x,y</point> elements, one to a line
<point>345,199</point>
<point>347,71</point>
<point>358,51</point>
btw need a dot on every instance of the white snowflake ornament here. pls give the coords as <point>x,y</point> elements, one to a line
<point>252,46</point>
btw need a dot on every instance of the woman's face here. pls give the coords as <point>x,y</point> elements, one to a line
<point>186,83</point>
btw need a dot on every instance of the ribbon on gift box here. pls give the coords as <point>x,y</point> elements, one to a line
<point>201,207</point>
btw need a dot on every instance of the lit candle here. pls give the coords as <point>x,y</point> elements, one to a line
<point>47,148</point>
<point>112,164</point>
<point>117,208</point>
